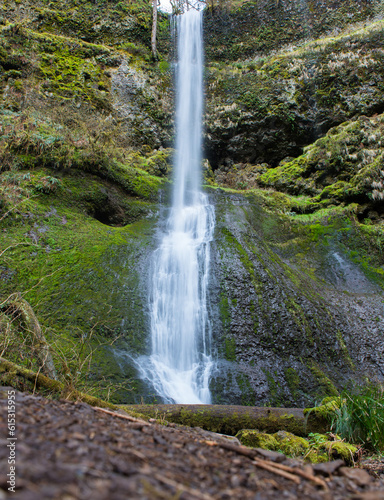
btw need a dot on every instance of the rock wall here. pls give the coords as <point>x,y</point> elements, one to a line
<point>298,319</point>
<point>286,86</point>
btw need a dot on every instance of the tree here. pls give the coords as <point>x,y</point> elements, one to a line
<point>154,29</point>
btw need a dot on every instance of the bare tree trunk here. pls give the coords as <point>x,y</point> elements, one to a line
<point>154,29</point>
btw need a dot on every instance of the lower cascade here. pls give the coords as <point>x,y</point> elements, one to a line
<point>180,364</point>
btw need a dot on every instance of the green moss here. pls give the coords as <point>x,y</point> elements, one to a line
<point>293,380</point>
<point>275,393</point>
<point>80,275</point>
<point>317,448</point>
<point>315,457</point>
<point>326,410</point>
<point>247,392</point>
<point>291,445</point>
<point>326,386</point>
<point>230,349</point>
<point>344,349</point>
<point>340,450</point>
<point>256,439</point>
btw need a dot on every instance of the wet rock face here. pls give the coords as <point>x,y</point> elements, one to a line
<point>284,335</point>
<point>145,112</point>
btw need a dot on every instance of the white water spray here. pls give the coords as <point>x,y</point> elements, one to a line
<point>180,364</point>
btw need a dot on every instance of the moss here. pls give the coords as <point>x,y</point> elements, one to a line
<point>247,392</point>
<point>88,267</point>
<point>216,419</point>
<point>224,311</point>
<point>275,394</point>
<point>230,349</point>
<point>291,445</point>
<point>311,449</point>
<point>340,450</point>
<point>326,409</point>
<point>256,439</point>
<point>293,380</point>
<point>316,457</point>
<point>326,386</point>
<point>344,349</point>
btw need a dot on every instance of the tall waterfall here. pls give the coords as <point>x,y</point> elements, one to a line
<point>180,363</point>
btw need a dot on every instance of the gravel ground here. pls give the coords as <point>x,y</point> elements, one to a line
<point>68,450</point>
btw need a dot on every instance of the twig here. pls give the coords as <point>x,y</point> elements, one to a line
<point>271,468</point>
<point>181,487</point>
<point>300,472</point>
<point>26,243</point>
<point>242,450</point>
<point>125,417</point>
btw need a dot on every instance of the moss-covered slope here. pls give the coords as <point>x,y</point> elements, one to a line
<point>274,100</point>
<point>85,121</point>
<point>77,231</point>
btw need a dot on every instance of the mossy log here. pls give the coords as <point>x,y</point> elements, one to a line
<point>18,305</point>
<point>42,382</point>
<point>231,419</point>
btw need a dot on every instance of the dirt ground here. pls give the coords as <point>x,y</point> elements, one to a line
<point>68,451</point>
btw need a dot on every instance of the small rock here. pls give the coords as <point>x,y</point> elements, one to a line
<point>328,468</point>
<point>359,476</point>
<point>274,456</point>
<point>292,462</point>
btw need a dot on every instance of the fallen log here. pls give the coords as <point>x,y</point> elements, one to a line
<point>40,381</point>
<point>231,419</point>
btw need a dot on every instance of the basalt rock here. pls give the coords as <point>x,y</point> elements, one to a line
<point>296,316</point>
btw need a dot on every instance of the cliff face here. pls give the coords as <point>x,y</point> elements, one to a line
<point>298,316</point>
<point>294,96</point>
<point>293,121</point>
<point>293,135</point>
<point>284,86</point>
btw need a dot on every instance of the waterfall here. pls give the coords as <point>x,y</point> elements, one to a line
<point>180,364</point>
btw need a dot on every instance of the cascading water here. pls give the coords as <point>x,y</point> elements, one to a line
<point>180,364</point>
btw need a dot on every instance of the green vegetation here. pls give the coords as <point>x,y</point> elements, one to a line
<point>315,448</point>
<point>359,417</point>
<point>256,30</point>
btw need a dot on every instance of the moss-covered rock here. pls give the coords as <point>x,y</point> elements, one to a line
<point>256,439</point>
<point>273,268</point>
<point>291,445</point>
<point>340,450</point>
<point>342,167</point>
<point>315,449</point>
<point>326,409</point>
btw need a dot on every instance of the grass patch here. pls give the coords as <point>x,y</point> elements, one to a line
<point>360,418</point>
